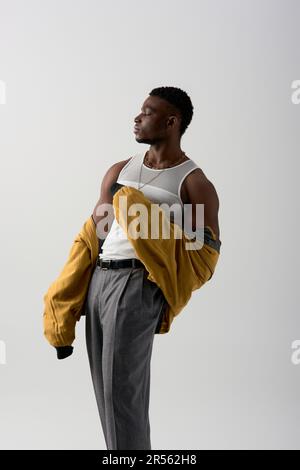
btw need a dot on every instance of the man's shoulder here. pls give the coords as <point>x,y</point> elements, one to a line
<point>120,164</point>
<point>114,170</point>
<point>198,182</point>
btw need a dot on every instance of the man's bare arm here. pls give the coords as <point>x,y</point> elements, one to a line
<point>201,191</point>
<point>106,196</point>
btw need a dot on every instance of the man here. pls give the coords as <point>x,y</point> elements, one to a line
<point>124,308</point>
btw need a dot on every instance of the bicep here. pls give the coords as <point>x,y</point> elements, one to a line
<point>206,194</point>
<point>103,207</point>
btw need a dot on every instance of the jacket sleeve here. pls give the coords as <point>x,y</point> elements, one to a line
<point>176,269</point>
<point>65,298</point>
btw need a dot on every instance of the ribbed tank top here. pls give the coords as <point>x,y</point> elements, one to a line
<point>165,188</point>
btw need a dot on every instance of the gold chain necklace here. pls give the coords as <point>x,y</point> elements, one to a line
<point>163,169</point>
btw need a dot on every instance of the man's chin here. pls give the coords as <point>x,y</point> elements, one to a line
<point>140,140</point>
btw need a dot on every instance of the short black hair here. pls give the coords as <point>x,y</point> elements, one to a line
<point>178,98</point>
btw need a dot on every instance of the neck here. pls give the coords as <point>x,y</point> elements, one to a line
<point>164,158</point>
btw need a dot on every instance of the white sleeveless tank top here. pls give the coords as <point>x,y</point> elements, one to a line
<point>165,188</point>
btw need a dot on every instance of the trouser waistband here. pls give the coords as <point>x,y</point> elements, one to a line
<point>119,263</point>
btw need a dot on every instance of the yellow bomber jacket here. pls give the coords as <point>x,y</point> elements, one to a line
<point>178,271</point>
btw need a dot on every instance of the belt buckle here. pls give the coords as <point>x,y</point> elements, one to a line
<point>109,263</point>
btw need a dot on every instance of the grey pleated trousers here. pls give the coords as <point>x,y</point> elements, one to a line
<point>123,311</point>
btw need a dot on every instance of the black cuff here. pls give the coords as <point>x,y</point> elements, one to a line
<point>115,187</point>
<point>63,351</point>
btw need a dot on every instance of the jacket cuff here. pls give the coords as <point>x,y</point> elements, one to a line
<point>115,187</point>
<point>63,351</point>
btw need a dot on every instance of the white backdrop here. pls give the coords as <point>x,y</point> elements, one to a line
<point>74,74</point>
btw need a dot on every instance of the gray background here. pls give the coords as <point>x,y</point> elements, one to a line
<point>76,74</point>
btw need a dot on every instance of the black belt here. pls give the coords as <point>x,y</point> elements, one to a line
<point>119,263</point>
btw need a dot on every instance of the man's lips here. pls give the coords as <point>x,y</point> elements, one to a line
<point>136,129</point>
